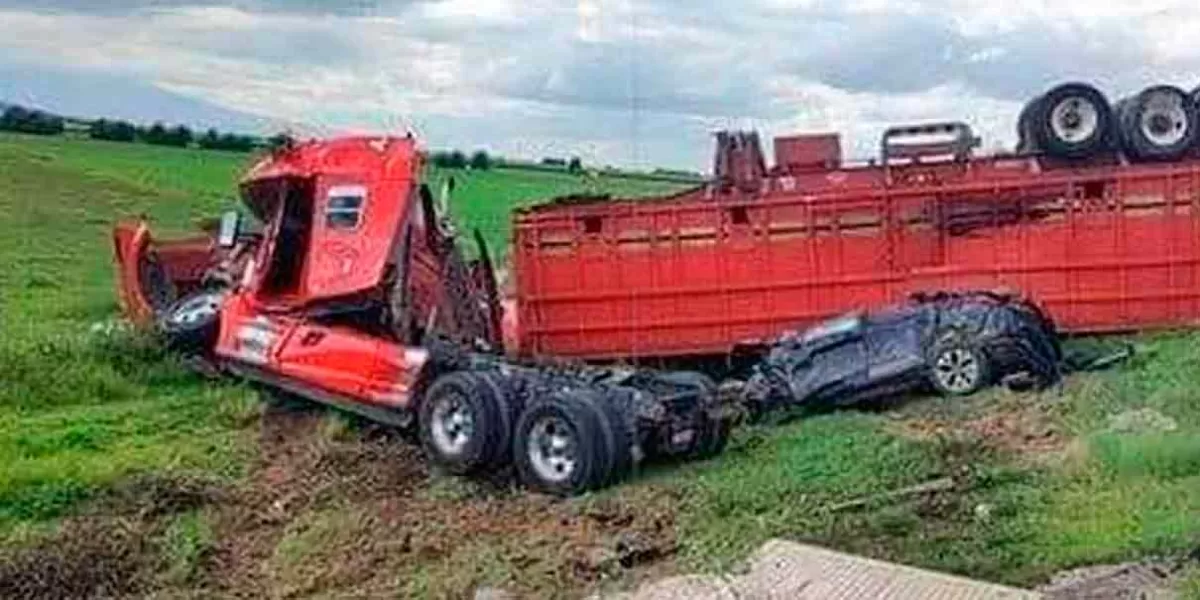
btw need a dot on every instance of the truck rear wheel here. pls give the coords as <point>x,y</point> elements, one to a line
<point>561,446</point>
<point>464,423</point>
<point>617,430</point>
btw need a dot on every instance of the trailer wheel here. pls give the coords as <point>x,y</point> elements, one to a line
<point>1159,123</point>
<point>190,324</point>
<point>958,368</point>
<point>559,446</point>
<point>1072,120</point>
<point>462,424</point>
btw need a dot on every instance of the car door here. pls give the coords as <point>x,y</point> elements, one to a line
<point>894,345</point>
<point>830,363</point>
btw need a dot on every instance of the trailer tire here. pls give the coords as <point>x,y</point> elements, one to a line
<point>1159,123</point>
<point>559,445</point>
<point>1072,120</point>
<point>461,422</point>
<point>958,367</point>
<point>190,325</point>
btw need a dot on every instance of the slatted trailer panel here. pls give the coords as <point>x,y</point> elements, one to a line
<point>1103,248</point>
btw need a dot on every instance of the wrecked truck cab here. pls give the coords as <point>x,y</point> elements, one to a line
<point>357,295</point>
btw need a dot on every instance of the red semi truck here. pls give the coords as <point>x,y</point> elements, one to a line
<point>353,291</point>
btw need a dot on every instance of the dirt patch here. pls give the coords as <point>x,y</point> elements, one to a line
<point>1023,430</point>
<point>361,514</point>
<point>300,468</point>
<point>345,511</point>
<point>1148,579</point>
<point>86,558</point>
<point>114,548</point>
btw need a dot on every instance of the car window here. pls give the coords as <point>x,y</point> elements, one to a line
<point>843,324</point>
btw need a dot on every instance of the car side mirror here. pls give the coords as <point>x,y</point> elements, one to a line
<point>228,233</point>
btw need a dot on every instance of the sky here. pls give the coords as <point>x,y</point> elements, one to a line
<point>626,82</point>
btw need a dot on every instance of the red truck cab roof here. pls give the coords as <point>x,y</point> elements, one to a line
<point>332,210</point>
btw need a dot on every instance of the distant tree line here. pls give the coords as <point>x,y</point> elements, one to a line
<point>27,120</point>
<point>481,160</point>
<point>457,159</point>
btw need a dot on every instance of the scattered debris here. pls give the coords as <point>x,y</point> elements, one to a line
<point>945,484</point>
<point>1148,580</point>
<point>1141,421</point>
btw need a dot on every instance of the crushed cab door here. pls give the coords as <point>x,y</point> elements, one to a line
<point>355,223</point>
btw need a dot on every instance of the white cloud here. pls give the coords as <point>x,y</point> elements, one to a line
<point>617,78</point>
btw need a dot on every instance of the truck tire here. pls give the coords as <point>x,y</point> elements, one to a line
<point>559,445</point>
<point>190,324</point>
<point>462,423</point>
<point>1159,123</point>
<point>1072,120</point>
<point>507,411</point>
<point>613,409</point>
<point>958,367</point>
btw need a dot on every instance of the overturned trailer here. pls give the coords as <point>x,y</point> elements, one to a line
<point>1101,233</point>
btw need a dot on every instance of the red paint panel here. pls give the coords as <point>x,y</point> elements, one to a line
<point>1105,248</point>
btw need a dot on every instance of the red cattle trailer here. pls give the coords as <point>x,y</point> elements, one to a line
<point>1102,243</point>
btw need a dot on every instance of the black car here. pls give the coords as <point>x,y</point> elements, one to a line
<point>956,343</point>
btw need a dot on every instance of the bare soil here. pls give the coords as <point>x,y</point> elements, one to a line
<point>357,513</point>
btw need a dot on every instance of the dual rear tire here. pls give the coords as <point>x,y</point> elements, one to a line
<point>566,442</point>
<point>1076,121</point>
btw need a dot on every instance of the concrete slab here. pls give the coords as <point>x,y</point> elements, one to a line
<point>782,569</point>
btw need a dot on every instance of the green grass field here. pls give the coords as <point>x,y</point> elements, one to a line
<point>1044,481</point>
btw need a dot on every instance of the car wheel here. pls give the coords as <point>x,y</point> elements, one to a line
<point>560,446</point>
<point>190,324</point>
<point>462,424</point>
<point>958,369</point>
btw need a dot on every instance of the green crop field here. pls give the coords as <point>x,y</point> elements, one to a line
<point>104,438</point>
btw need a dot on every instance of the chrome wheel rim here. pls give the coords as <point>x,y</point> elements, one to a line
<point>957,370</point>
<point>1164,119</point>
<point>553,449</point>
<point>453,425</point>
<point>199,309</point>
<point>1074,119</point>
